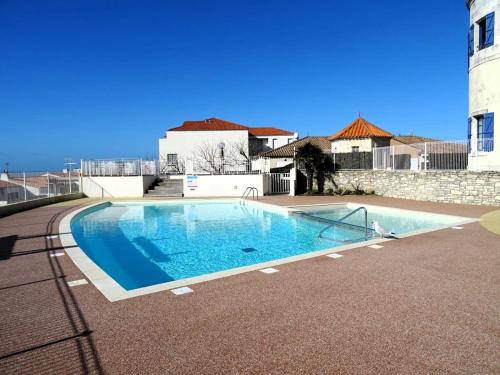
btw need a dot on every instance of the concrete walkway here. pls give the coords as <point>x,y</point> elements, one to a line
<point>424,304</point>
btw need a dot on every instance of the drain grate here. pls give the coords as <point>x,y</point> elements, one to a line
<point>249,249</point>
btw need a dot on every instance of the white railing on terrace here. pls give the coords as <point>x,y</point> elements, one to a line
<point>24,186</point>
<point>119,167</point>
<point>213,167</point>
<point>438,155</point>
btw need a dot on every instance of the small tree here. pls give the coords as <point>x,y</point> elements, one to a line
<point>308,155</point>
<point>324,169</point>
<point>316,164</point>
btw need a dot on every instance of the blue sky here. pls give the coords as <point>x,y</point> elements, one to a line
<point>104,79</point>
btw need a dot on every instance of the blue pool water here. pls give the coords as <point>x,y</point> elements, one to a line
<point>143,244</point>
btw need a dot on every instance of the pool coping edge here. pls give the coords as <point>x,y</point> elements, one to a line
<point>115,292</point>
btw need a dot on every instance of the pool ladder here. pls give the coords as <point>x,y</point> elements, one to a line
<point>340,221</point>
<point>250,190</point>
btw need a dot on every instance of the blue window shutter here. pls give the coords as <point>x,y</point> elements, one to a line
<point>471,39</point>
<point>490,30</point>
<point>488,131</point>
<point>469,135</point>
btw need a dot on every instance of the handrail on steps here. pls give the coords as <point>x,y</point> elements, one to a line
<point>250,190</point>
<point>345,217</point>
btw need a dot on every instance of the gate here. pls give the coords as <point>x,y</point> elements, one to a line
<point>279,183</point>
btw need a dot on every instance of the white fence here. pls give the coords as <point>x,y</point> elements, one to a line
<point>25,186</point>
<point>439,155</point>
<point>279,183</point>
<point>119,167</point>
<point>212,167</point>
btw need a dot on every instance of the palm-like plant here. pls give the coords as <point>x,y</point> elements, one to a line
<point>316,163</point>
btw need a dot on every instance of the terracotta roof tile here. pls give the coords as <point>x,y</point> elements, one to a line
<point>286,151</point>
<point>6,184</point>
<point>409,139</point>
<point>215,124</point>
<point>268,131</point>
<point>210,124</point>
<point>360,128</point>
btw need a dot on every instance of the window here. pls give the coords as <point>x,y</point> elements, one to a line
<point>355,149</point>
<point>486,31</point>
<point>485,124</point>
<point>171,159</point>
<point>275,143</point>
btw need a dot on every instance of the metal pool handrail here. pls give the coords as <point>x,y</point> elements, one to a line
<point>345,217</point>
<point>248,190</point>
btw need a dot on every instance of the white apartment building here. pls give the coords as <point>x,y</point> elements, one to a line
<point>218,139</point>
<point>484,85</point>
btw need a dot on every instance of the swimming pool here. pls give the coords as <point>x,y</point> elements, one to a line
<point>144,244</point>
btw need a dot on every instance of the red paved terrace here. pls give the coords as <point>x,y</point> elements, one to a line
<point>423,304</point>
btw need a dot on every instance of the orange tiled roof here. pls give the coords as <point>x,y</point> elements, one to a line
<point>210,124</point>
<point>268,131</point>
<point>360,128</point>
<point>6,184</point>
<point>215,124</point>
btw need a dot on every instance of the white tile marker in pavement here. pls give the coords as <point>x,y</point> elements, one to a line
<point>77,282</point>
<point>182,290</point>
<point>376,246</point>
<point>268,270</point>
<point>334,256</point>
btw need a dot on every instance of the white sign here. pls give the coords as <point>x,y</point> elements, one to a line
<point>192,182</point>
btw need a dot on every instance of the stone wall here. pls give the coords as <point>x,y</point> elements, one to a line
<point>466,187</point>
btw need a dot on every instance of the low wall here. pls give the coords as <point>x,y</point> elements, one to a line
<point>12,208</point>
<point>465,187</point>
<point>116,186</point>
<point>222,185</point>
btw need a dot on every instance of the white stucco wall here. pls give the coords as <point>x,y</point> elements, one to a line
<point>484,85</point>
<point>222,185</point>
<point>345,145</point>
<point>186,143</point>
<point>267,140</point>
<point>123,186</point>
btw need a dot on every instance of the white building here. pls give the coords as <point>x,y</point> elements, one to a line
<point>359,136</point>
<point>214,139</point>
<point>484,85</point>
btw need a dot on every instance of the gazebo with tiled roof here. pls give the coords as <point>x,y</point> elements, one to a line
<point>359,136</point>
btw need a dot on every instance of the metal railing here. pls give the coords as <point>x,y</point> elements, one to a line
<point>368,232</point>
<point>119,167</point>
<point>24,186</point>
<point>438,155</point>
<point>341,220</point>
<point>216,166</point>
<point>250,190</point>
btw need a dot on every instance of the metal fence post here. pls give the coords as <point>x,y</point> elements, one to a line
<point>48,184</point>
<point>393,158</point>
<point>24,185</point>
<point>425,155</point>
